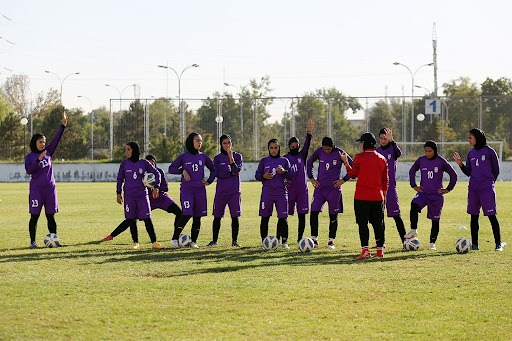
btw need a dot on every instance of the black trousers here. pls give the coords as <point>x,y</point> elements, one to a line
<point>370,212</point>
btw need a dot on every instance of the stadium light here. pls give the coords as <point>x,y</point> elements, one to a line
<point>182,115</point>
<point>61,80</point>
<point>241,91</point>
<point>413,74</point>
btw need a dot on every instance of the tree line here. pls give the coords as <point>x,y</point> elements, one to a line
<point>247,119</point>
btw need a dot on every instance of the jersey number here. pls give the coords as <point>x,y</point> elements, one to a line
<point>35,203</point>
<point>430,174</point>
<point>186,204</point>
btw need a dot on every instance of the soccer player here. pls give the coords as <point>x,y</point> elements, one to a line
<point>272,172</point>
<point>191,165</point>
<point>371,170</point>
<point>226,168</point>
<point>163,202</point>
<point>42,189</point>
<point>297,185</point>
<point>136,200</point>
<point>483,168</point>
<point>391,153</point>
<point>430,192</point>
<point>327,187</point>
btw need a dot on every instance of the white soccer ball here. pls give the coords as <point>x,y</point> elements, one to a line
<point>463,245</point>
<point>412,244</point>
<point>184,240</point>
<point>270,243</point>
<point>51,240</point>
<point>148,180</point>
<point>306,245</point>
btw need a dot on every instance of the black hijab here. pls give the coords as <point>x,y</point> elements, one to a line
<point>222,138</point>
<point>278,148</point>
<point>33,143</point>
<point>135,151</point>
<point>481,140</point>
<point>293,151</point>
<point>432,145</point>
<point>189,144</point>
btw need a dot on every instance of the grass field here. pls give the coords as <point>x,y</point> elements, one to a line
<point>93,291</point>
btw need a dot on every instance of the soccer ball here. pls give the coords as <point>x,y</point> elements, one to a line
<point>184,240</point>
<point>51,240</point>
<point>463,245</point>
<point>412,244</point>
<point>306,245</point>
<point>270,243</point>
<point>148,180</point>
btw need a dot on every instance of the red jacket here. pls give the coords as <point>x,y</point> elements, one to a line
<point>371,170</point>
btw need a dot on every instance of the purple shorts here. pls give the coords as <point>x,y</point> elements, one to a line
<point>162,202</point>
<point>193,201</point>
<point>332,196</point>
<point>38,198</point>
<point>485,199</point>
<point>268,201</point>
<point>434,204</point>
<point>299,199</point>
<point>392,204</point>
<point>137,208</point>
<point>233,201</point>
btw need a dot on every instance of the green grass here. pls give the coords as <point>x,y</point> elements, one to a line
<point>96,291</point>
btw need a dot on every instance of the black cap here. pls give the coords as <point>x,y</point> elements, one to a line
<point>367,137</point>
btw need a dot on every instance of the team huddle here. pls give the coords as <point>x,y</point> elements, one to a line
<point>284,181</point>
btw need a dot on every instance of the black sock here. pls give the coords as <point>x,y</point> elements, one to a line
<point>52,225</point>
<point>235,227</point>
<point>495,229</point>
<point>301,226</point>
<point>32,227</point>
<point>434,231</point>
<point>133,230</point>
<point>196,226</point>
<point>120,228</point>
<point>216,229</point>
<point>313,221</point>
<point>282,226</point>
<point>264,227</point>
<point>400,227</point>
<point>475,226</point>
<point>333,225</point>
<point>150,229</point>
<point>180,225</point>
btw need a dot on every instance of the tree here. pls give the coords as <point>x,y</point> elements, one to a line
<point>462,117</point>
<point>316,106</point>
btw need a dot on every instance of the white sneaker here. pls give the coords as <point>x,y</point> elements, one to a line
<point>331,245</point>
<point>411,234</point>
<point>499,247</point>
<point>433,246</point>
<point>285,246</point>
<point>175,244</point>
<point>193,245</point>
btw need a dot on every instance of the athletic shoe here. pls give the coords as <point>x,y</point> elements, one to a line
<point>411,234</point>
<point>175,244</point>
<point>315,242</point>
<point>33,245</point>
<point>107,238</point>
<point>433,246</point>
<point>499,247</point>
<point>331,245</point>
<point>235,244</point>
<point>212,243</point>
<point>58,244</point>
<point>474,247</point>
<point>157,245</point>
<point>375,246</point>
<point>380,253</point>
<point>193,245</point>
<point>136,246</point>
<point>285,246</point>
<point>365,254</point>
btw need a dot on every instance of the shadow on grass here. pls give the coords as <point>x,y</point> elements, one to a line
<point>213,260</point>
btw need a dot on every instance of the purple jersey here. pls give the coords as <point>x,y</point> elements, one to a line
<point>41,172</point>
<point>482,167</point>
<point>329,166</point>
<point>131,174</point>
<point>391,153</point>
<point>432,174</point>
<point>298,181</point>
<point>277,183</point>
<point>194,165</point>
<point>228,175</point>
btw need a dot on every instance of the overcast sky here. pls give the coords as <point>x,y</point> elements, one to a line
<point>300,45</point>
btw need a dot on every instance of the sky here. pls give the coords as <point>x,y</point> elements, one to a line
<point>301,45</point>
